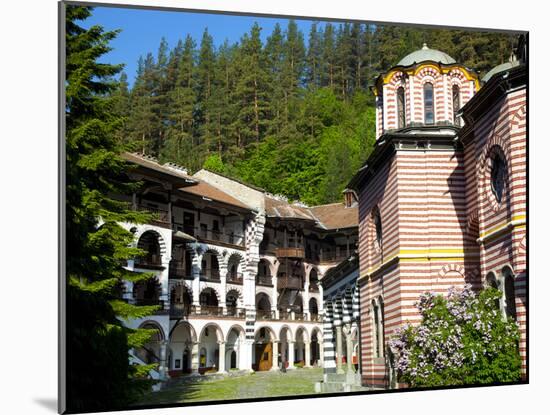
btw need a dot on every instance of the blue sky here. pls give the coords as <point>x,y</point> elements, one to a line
<point>142,30</point>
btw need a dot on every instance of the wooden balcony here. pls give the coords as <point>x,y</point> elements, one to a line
<point>290,252</point>
<point>291,283</point>
<point>160,217</point>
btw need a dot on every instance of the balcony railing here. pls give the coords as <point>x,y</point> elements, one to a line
<point>212,235</point>
<point>315,317</point>
<point>236,312</point>
<point>236,278</point>
<point>265,315</point>
<point>178,270</point>
<point>264,280</point>
<point>334,256</point>
<point>210,274</point>
<point>313,287</point>
<point>290,252</point>
<point>160,217</point>
<point>180,309</point>
<point>147,261</point>
<point>208,310</point>
<point>292,283</point>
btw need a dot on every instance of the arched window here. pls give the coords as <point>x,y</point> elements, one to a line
<point>377,222</point>
<point>456,104</point>
<point>498,173</point>
<point>376,329</point>
<point>509,293</point>
<point>401,120</point>
<point>428,103</point>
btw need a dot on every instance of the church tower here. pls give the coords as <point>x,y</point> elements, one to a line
<point>425,90</point>
<point>413,231</point>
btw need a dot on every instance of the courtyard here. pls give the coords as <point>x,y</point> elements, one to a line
<point>237,386</point>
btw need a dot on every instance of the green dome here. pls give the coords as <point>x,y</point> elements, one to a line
<point>500,68</point>
<point>426,54</point>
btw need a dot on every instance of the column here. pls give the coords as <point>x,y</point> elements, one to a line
<point>162,364</point>
<point>275,364</point>
<point>249,344</point>
<point>196,264</point>
<point>290,355</point>
<point>164,284</point>
<point>305,296</point>
<point>221,363</point>
<point>307,347</point>
<point>339,350</point>
<point>321,363</point>
<point>349,348</point>
<point>224,270</point>
<point>195,358</point>
<point>274,297</point>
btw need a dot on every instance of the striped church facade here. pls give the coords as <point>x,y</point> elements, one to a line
<point>498,133</point>
<point>428,215</point>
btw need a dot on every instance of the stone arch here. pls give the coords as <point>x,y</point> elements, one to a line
<point>304,331</point>
<point>149,352</point>
<point>268,329</point>
<point>162,243</point>
<point>154,325</point>
<point>267,269</point>
<point>212,262</point>
<point>154,246</point>
<point>239,329</point>
<point>237,294</point>
<point>288,330</point>
<point>181,298</point>
<point>217,328</point>
<point>313,275</point>
<point>313,306</point>
<point>263,301</point>
<point>212,293</point>
<point>451,268</point>
<point>235,265</point>
<point>186,325</point>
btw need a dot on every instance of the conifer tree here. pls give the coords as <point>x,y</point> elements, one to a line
<point>180,110</point>
<point>99,375</point>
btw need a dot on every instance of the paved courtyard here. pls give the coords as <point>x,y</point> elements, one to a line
<point>255,385</point>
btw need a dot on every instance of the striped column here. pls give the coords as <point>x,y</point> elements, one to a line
<point>329,361</point>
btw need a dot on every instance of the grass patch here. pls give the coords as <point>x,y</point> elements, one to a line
<point>257,385</point>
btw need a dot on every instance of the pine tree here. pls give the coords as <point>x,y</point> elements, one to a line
<point>251,90</point>
<point>205,79</point>
<point>99,376</point>
<point>313,59</point>
<point>180,110</point>
<point>327,74</point>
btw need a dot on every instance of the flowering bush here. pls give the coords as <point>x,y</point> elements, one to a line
<point>462,340</point>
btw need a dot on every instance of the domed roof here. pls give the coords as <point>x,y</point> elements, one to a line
<point>499,68</point>
<point>426,54</point>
